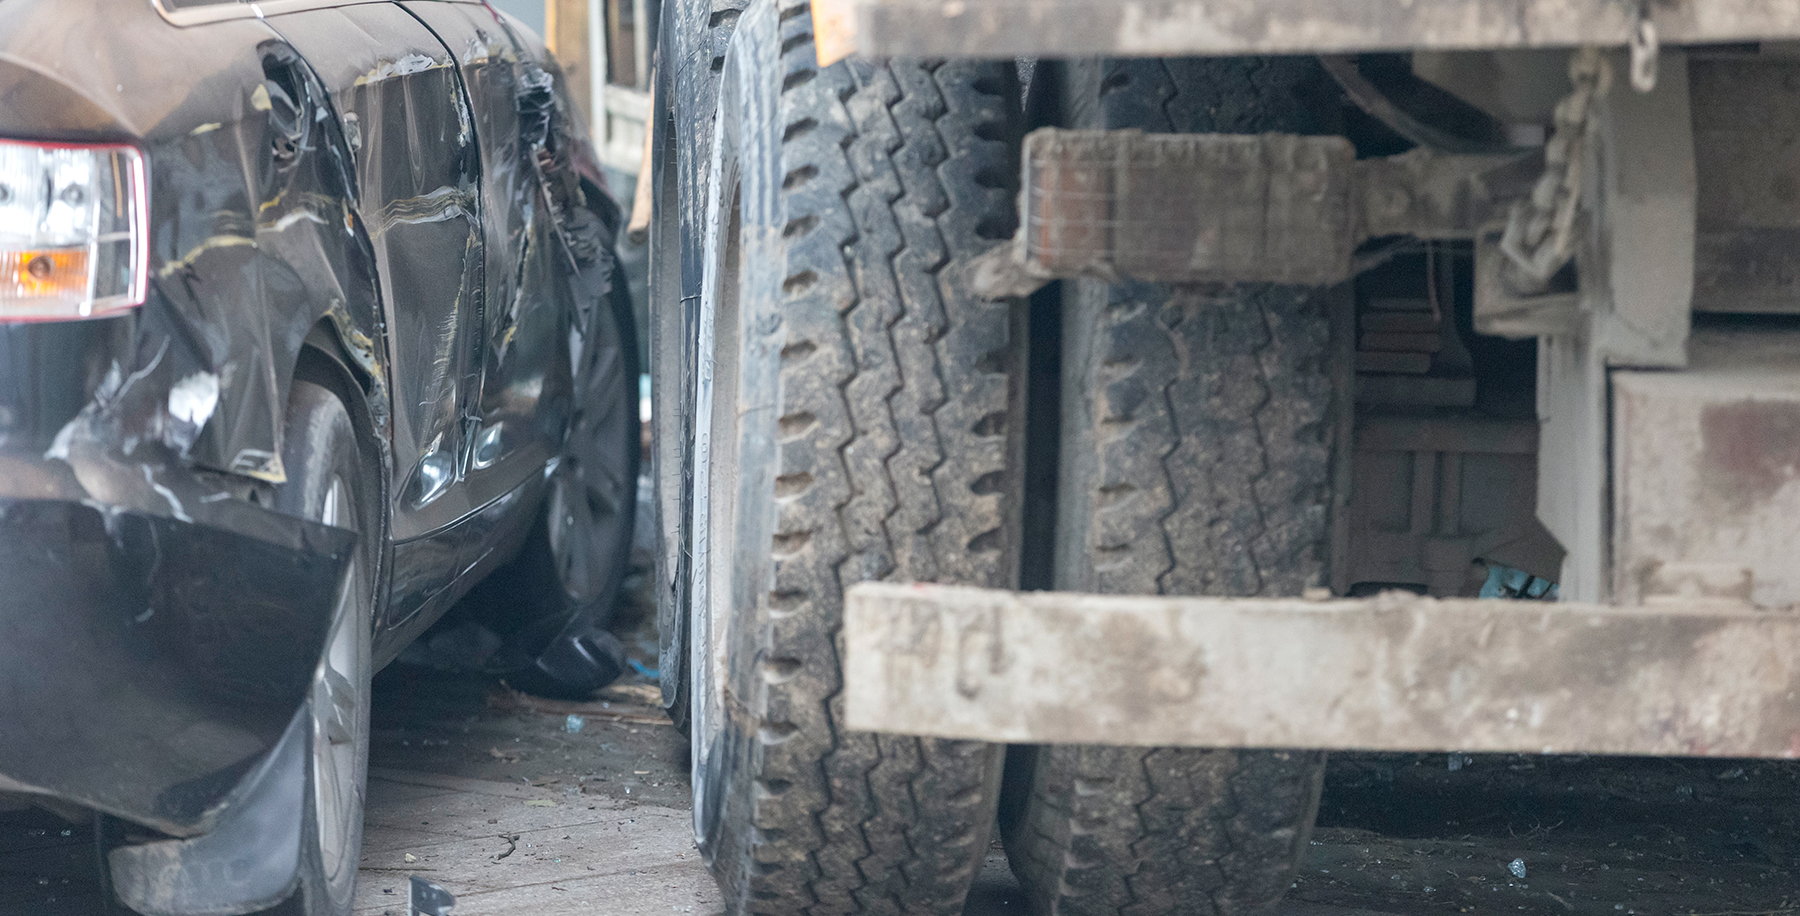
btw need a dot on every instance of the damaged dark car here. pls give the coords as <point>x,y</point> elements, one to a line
<point>309,322</point>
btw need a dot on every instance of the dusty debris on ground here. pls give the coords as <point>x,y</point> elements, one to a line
<point>1585,836</point>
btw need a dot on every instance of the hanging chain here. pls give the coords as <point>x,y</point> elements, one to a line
<point>1540,234</point>
<point>1645,48</point>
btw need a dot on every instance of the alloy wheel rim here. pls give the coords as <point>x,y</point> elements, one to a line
<point>587,492</point>
<point>336,713</point>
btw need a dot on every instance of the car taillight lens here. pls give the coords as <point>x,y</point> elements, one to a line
<point>72,239</point>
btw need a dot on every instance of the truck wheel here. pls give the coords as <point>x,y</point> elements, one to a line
<point>691,54</point>
<point>859,416</point>
<point>330,481</point>
<point>1197,451</point>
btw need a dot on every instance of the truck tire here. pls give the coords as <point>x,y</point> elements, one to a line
<point>1197,459</point>
<point>860,416</point>
<point>692,39</point>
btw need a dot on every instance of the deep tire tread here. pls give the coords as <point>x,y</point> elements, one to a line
<point>1201,457</point>
<point>882,381</point>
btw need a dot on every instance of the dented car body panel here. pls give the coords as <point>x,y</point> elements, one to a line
<point>353,179</point>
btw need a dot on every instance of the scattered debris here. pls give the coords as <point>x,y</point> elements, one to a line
<point>630,705</point>
<point>410,858</point>
<point>540,803</point>
<point>573,724</point>
<point>1517,867</point>
<point>512,845</point>
<point>1516,584</point>
<point>505,756</point>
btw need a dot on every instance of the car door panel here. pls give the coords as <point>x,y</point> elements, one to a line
<point>397,93</point>
<point>523,399</point>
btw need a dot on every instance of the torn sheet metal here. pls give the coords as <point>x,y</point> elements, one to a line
<point>146,662</point>
<point>344,178</point>
<point>252,232</point>
<point>1395,673</point>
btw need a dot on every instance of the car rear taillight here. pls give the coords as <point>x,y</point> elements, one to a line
<point>72,238</point>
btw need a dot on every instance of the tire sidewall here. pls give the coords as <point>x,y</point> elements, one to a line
<point>693,38</point>
<point>733,434</point>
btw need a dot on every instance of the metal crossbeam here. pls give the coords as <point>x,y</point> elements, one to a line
<point>1393,672</point>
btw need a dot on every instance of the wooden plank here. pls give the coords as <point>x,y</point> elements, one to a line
<point>1394,672</point>
<point>582,853</point>
<point>566,34</point>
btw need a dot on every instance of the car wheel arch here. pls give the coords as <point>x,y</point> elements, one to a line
<point>323,360</point>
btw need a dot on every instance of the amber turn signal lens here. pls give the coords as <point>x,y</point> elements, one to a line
<point>53,273</point>
<point>72,241</point>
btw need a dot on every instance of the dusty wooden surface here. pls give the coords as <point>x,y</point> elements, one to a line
<point>505,849</point>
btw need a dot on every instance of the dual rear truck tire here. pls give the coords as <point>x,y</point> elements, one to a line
<point>858,413</point>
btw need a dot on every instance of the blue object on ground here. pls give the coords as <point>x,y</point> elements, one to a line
<point>643,669</point>
<point>1507,582</point>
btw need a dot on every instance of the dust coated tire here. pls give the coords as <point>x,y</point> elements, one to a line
<point>331,481</point>
<point>1198,432</point>
<point>691,56</point>
<point>860,416</point>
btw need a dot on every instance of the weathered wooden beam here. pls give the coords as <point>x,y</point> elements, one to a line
<point>567,35</point>
<point>1049,28</point>
<point>1395,672</point>
<point>1227,208</point>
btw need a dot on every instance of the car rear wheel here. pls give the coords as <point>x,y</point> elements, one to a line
<point>567,577</point>
<point>859,416</point>
<point>331,482</point>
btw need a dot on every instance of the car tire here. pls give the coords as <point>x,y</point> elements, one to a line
<point>1198,459</point>
<point>330,479</point>
<point>567,576</point>
<point>859,416</point>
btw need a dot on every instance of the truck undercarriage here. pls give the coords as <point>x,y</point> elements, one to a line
<point>1328,318</point>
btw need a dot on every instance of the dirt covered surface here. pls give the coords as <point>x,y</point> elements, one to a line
<point>1405,835</point>
<point>617,745</point>
<point>1442,833</point>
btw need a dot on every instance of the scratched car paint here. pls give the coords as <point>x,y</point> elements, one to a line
<point>390,202</point>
